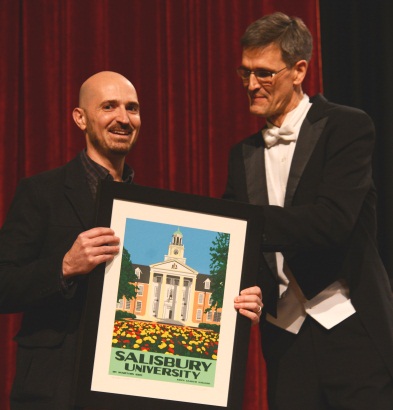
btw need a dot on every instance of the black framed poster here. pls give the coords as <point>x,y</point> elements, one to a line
<point>160,327</point>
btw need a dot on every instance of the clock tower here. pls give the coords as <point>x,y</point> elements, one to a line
<point>176,248</point>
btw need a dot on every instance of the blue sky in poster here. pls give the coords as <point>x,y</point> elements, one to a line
<point>148,243</point>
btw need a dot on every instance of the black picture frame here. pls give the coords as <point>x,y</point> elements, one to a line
<point>118,205</point>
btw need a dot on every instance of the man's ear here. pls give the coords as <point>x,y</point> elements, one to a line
<point>79,117</point>
<point>300,72</point>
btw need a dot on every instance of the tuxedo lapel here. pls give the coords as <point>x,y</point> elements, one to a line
<point>78,193</point>
<point>254,163</point>
<point>308,137</point>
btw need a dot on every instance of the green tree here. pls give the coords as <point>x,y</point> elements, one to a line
<point>127,277</point>
<point>218,269</point>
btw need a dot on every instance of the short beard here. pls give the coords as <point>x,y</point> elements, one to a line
<point>116,149</point>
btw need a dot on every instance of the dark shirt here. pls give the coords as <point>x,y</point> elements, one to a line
<point>95,172</point>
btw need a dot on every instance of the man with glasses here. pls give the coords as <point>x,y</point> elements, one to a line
<point>327,323</point>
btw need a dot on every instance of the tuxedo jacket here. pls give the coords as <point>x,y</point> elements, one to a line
<point>48,212</point>
<point>327,227</point>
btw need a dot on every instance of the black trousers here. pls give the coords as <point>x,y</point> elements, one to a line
<point>320,369</point>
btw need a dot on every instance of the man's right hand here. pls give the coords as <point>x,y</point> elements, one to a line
<point>92,247</point>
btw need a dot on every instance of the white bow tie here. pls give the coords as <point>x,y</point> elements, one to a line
<point>273,134</point>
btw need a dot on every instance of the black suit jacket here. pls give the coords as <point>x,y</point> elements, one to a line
<point>327,227</point>
<point>48,212</point>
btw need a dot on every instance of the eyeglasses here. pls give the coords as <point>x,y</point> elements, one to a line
<point>262,76</point>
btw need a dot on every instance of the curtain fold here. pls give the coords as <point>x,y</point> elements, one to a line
<point>181,56</point>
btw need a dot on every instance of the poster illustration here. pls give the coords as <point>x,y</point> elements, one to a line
<point>161,328</point>
<point>169,303</point>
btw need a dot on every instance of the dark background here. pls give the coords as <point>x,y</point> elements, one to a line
<point>357,65</point>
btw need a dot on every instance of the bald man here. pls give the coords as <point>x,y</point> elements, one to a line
<point>48,244</point>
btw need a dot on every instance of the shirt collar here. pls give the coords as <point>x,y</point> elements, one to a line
<point>101,172</point>
<point>96,172</point>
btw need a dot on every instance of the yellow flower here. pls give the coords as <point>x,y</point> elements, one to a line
<point>115,341</point>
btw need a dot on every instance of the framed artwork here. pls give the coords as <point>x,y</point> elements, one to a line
<point>160,329</point>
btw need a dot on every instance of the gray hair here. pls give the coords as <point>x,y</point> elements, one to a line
<point>290,34</point>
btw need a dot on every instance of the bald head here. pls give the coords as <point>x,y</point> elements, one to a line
<point>100,81</point>
<point>108,114</point>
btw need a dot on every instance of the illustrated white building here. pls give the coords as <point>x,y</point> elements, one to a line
<point>171,291</point>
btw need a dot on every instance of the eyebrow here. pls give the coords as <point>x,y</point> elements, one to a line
<point>116,102</point>
<point>109,102</point>
<point>257,68</point>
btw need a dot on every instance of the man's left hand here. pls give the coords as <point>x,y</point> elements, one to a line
<point>249,303</point>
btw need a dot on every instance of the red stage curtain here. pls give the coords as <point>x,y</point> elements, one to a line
<point>180,54</point>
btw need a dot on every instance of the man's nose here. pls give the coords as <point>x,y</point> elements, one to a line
<point>253,82</point>
<point>122,115</point>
